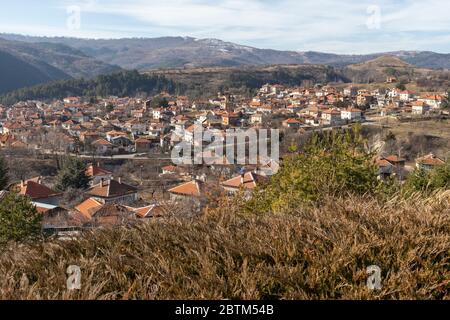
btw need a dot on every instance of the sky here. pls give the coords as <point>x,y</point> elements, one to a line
<point>338,26</point>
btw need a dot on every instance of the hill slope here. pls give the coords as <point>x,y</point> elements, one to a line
<point>173,52</point>
<point>126,83</point>
<point>26,64</point>
<point>17,73</point>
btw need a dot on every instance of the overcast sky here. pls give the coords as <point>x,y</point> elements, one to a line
<point>340,26</point>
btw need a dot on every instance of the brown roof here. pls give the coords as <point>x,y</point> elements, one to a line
<point>148,211</point>
<point>383,163</point>
<point>36,190</point>
<point>102,142</point>
<point>292,120</point>
<point>250,181</point>
<point>431,160</point>
<point>111,189</point>
<point>89,207</point>
<point>93,171</point>
<point>394,159</point>
<point>192,188</point>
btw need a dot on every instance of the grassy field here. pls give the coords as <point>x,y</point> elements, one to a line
<point>432,128</point>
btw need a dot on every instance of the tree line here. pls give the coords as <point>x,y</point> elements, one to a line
<point>126,83</point>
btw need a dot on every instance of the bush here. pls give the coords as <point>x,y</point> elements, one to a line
<point>315,253</point>
<point>331,164</point>
<point>429,181</point>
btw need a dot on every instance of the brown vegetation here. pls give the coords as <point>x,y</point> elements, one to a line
<point>311,253</point>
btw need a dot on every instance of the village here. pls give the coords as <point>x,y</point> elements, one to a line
<point>107,133</point>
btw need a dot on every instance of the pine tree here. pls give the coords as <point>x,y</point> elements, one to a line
<point>19,219</point>
<point>72,175</point>
<point>4,178</point>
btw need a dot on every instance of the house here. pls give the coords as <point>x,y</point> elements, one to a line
<point>38,192</point>
<point>71,100</point>
<point>350,91</point>
<point>391,80</point>
<point>231,119</point>
<point>151,211</point>
<point>429,162</point>
<point>112,215</point>
<point>59,221</point>
<point>364,99</point>
<point>69,124</point>
<point>143,145</point>
<point>331,117</point>
<point>113,191</point>
<point>351,114</point>
<point>247,181</point>
<point>97,174</point>
<point>102,146</point>
<point>13,128</point>
<point>88,208</point>
<point>123,143</point>
<point>391,165</point>
<point>433,100</point>
<point>405,95</point>
<point>169,170</point>
<point>192,192</point>
<point>420,108</point>
<point>292,123</point>
<point>256,118</point>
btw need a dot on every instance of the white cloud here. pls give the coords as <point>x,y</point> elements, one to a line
<point>322,25</point>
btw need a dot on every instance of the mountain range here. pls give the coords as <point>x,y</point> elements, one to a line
<point>42,59</point>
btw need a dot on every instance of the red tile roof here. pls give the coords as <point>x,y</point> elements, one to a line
<point>36,190</point>
<point>93,171</point>
<point>192,188</point>
<point>89,207</point>
<point>249,181</point>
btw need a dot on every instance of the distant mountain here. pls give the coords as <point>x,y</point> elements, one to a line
<point>179,52</point>
<point>25,64</point>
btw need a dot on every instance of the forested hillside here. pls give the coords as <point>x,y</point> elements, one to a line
<point>127,83</point>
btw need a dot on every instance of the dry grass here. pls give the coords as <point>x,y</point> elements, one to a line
<point>318,253</point>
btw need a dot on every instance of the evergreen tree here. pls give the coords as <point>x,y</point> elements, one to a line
<point>428,181</point>
<point>19,219</point>
<point>72,175</point>
<point>4,178</point>
<point>446,102</point>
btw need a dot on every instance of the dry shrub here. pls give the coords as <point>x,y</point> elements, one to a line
<point>319,253</point>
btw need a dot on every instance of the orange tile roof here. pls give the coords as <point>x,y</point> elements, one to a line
<point>250,181</point>
<point>102,142</point>
<point>89,207</point>
<point>431,160</point>
<point>192,188</point>
<point>148,211</point>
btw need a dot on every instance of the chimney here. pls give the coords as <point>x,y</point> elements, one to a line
<point>102,181</point>
<point>22,183</point>
<point>242,178</point>
<point>98,164</point>
<point>120,180</point>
